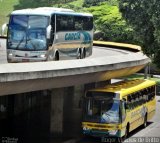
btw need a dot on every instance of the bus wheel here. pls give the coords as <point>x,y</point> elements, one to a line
<point>120,140</point>
<point>79,55</point>
<point>84,53</point>
<point>145,121</point>
<point>50,58</point>
<point>126,132</point>
<point>56,58</point>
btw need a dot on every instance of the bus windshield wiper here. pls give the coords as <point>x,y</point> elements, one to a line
<point>19,43</point>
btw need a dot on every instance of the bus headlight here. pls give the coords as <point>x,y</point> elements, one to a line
<point>43,56</point>
<point>10,54</point>
<point>85,128</point>
<point>113,132</point>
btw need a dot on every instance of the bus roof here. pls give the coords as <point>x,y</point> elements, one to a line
<point>126,87</point>
<point>47,11</point>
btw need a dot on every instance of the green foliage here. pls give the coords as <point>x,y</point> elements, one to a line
<point>31,4</point>
<point>6,7</point>
<point>88,3</point>
<point>75,5</point>
<point>108,20</point>
<point>39,3</point>
<point>144,17</point>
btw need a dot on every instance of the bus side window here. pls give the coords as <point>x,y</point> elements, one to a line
<point>132,101</point>
<point>152,94</point>
<point>70,23</point>
<point>61,23</point>
<point>52,30</point>
<point>87,23</point>
<point>140,97</point>
<point>129,106</point>
<point>135,99</point>
<point>78,23</point>
<point>146,91</point>
<point>143,96</point>
<point>149,94</point>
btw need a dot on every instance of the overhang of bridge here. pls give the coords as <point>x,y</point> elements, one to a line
<point>26,77</point>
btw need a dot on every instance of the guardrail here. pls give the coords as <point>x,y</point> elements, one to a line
<point>124,46</point>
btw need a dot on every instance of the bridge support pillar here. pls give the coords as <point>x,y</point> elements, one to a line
<point>146,71</point>
<point>56,115</point>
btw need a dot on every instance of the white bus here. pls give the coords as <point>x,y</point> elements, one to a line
<point>48,34</point>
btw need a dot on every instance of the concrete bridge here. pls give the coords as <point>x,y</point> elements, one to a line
<point>105,64</point>
<point>61,78</point>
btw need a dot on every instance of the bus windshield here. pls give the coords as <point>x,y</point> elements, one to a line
<point>102,109</point>
<point>27,32</point>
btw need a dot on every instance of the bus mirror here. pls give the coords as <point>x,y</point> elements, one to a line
<point>4,26</point>
<point>126,105</point>
<point>48,32</point>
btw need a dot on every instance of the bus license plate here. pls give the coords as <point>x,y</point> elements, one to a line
<point>25,60</point>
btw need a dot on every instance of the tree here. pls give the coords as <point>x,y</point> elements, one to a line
<point>109,21</point>
<point>31,4</point>
<point>38,3</point>
<point>144,17</point>
<point>88,3</point>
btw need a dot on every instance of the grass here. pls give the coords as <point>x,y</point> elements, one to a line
<point>141,76</point>
<point>6,7</point>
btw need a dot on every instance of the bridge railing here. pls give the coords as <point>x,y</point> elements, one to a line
<point>115,45</point>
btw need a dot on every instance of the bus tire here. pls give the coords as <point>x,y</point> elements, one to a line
<point>56,57</point>
<point>122,139</point>
<point>50,58</point>
<point>126,132</point>
<point>145,121</point>
<point>84,53</point>
<point>79,53</point>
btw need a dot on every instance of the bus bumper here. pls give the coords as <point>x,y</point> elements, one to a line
<point>99,133</point>
<point>17,60</point>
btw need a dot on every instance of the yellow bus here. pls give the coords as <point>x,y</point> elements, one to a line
<point>117,109</point>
